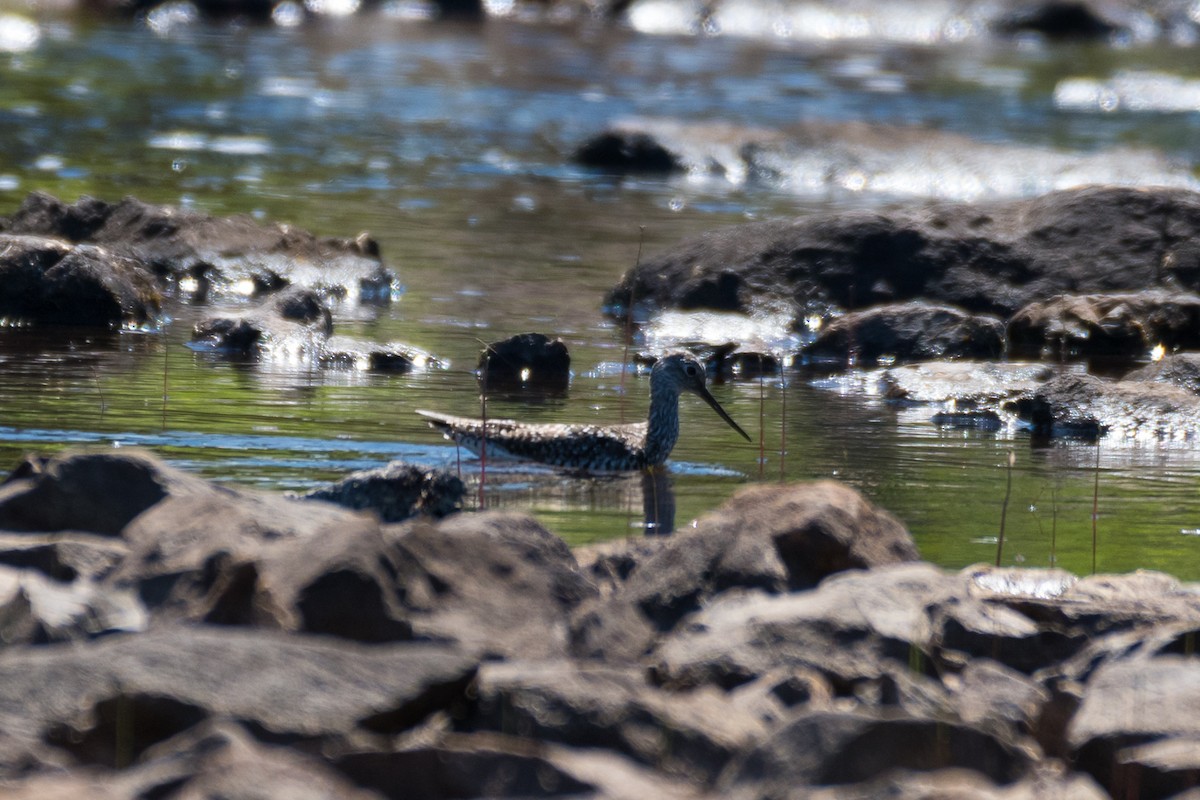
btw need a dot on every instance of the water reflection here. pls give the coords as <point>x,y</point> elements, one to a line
<point>658,501</point>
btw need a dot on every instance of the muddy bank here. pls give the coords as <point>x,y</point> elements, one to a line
<point>166,637</point>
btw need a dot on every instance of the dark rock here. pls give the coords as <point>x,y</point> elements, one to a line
<point>288,688</point>
<point>1127,325</point>
<point>180,243</point>
<point>50,281</point>
<point>622,151</point>
<point>688,735</point>
<point>527,360</point>
<point>903,332</point>
<point>249,558</point>
<point>1057,19</point>
<point>773,538</point>
<point>396,492</point>
<point>91,492</point>
<point>824,748</point>
<point>1180,369</point>
<point>1137,725</point>
<point>511,597</point>
<point>306,307</point>
<point>1086,406</point>
<point>983,258</point>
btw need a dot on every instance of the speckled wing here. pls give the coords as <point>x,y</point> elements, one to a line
<point>578,446</point>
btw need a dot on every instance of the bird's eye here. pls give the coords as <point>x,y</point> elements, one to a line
<point>690,370</point>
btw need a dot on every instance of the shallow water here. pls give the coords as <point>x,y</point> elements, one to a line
<point>451,145</point>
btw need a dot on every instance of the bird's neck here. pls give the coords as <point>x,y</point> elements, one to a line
<point>662,430</point>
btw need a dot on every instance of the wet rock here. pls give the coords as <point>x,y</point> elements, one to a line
<point>1127,325</point>
<point>1088,406</point>
<point>527,360</point>
<point>396,492</point>
<point>771,538</point>
<point>824,748</point>
<point>1179,369</point>
<point>295,323</point>
<point>819,157</point>
<point>344,352</point>
<point>225,253</point>
<point>511,598</point>
<point>1138,724</point>
<point>988,258</point>
<point>732,345</point>
<point>904,332</point>
<point>51,281</point>
<point>688,735</point>
<point>291,688</point>
<point>966,384</point>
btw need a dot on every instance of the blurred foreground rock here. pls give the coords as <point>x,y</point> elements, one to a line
<point>166,637</point>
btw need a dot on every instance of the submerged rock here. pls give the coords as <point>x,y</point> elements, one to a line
<point>1088,406</point>
<point>905,332</point>
<point>296,323</point>
<point>346,353</point>
<point>965,384</point>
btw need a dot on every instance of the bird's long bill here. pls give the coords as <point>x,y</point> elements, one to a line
<point>712,401</point>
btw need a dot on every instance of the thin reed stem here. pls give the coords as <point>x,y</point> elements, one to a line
<point>165,392</point>
<point>782,422</point>
<point>629,324</point>
<point>1095,506</point>
<point>762,424</point>
<point>1012,458</point>
<point>487,358</point>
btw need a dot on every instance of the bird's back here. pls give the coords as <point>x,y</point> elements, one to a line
<point>577,446</point>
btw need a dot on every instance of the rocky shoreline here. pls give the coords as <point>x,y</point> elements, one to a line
<point>178,638</point>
